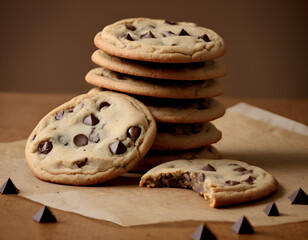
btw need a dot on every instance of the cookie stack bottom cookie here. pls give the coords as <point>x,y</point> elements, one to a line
<point>179,91</point>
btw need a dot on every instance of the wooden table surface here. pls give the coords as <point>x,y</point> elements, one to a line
<point>20,112</point>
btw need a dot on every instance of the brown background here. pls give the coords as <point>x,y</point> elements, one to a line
<point>45,46</point>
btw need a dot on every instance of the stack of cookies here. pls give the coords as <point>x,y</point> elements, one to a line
<point>170,67</point>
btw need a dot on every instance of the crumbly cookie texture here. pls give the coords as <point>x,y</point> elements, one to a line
<point>177,136</point>
<point>105,78</point>
<point>90,139</point>
<point>222,182</point>
<point>157,40</point>
<point>176,71</point>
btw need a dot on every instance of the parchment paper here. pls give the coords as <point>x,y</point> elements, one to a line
<point>282,152</point>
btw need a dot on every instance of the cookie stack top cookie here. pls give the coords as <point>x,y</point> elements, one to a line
<point>157,40</point>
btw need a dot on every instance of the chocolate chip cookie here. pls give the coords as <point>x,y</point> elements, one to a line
<point>157,40</point>
<point>90,139</point>
<point>222,182</point>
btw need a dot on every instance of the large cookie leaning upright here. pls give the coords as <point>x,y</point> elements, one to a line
<point>157,40</point>
<point>90,139</point>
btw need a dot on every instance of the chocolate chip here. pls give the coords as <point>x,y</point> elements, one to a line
<point>249,180</point>
<point>70,110</point>
<point>232,183</point>
<point>91,120</point>
<point>299,197</point>
<point>130,27</point>
<point>149,34</point>
<point>239,169</point>
<point>168,33</point>
<point>63,140</point>
<point>80,140</point>
<point>117,147</point>
<point>203,232</point>
<point>34,137</point>
<point>81,163</point>
<point>133,133</point>
<point>44,216</point>
<point>242,226</point>
<point>127,36</point>
<point>103,105</point>
<point>171,22</point>
<point>271,210</point>
<point>8,187</point>
<point>45,147</point>
<point>94,137</point>
<point>59,115</point>
<point>205,38</point>
<point>208,167</point>
<point>183,33</point>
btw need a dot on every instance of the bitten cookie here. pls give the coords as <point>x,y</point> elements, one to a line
<point>176,136</point>
<point>176,71</point>
<point>90,139</point>
<point>105,78</point>
<point>157,40</point>
<point>222,182</point>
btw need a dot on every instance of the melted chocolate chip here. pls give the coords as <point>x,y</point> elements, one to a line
<point>34,137</point>
<point>205,38</point>
<point>208,167</point>
<point>81,163</point>
<point>91,120</point>
<point>117,147</point>
<point>80,140</point>
<point>171,22</point>
<point>133,133</point>
<point>232,183</point>
<point>149,34</point>
<point>63,140</point>
<point>104,105</point>
<point>59,115</point>
<point>130,27</point>
<point>168,33</point>
<point>239,169</point>
<point>94,137</point>
<point>45,147</point>
<point>127,36</point>
<point>249,180</point>
<point>183,33</point>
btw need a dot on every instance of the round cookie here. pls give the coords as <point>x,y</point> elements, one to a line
<point>222,182</point>
<point>90,139</point>
<point>177,71</point>
<point>105,78</point>
<point>154,158</point>
<point>176,136</point>
<point>183,110</point>
<point>157,40</point>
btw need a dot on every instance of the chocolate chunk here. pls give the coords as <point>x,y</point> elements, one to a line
<point>171,22</point>
<point>232,183</point>
<point>127,36</point>
<point>104,105</point>
<point>203,232</point>
<point>8,187</point>
<point>94,137</point>
<point>242,226</point>
<point>271,210</point>
<point>149,34</point>
<point>299,197</point>
<point>130,27</point>
<point>168,33</point>
<point>239,169</point>
<point>45,147</point>
<point>205,37</point>
<point>133,133</point>
<point>183,33</point>
<point>208,167</point>
<point>63,140</point>
<point>91,120</point>
<point>44,215</point>
<point>80,140</point>
<point>59,115</point>
<point>117,147</point>
<point>249,180</point>
<point>81,163</point>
